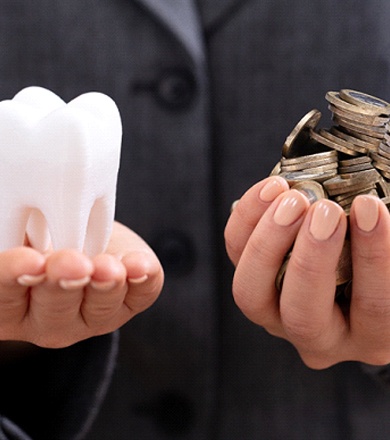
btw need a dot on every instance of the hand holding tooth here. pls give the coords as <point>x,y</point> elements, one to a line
<point>62,297</point>
<point>80,276</point>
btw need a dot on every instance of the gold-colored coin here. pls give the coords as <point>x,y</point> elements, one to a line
<point>332,144</point>
<point>276,169</point>
<point>344,267</point>
<point>297,140</point>
<point>377,121</point>
<point>368,146</point>
<point>355,161</point>
<point>335,99</point>
<point>359,128</point>
<point>342,143</point>
<point>355,168</point>
<point>349,159</point>
<point>365,101</point>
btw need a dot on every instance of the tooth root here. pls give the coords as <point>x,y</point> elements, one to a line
<point>61,167</point>
<point>37,231</point>
<point>99,225</point>
<point>12,227</point>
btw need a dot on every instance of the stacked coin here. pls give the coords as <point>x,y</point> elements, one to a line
<point>350,158</point>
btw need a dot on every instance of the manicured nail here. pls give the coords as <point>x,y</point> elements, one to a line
<point>366,210</point>
<point>290,208</point>
<point>234,204</point>
<point>30,280</point>
<point>103,285</point>
<point>139,280</point>
<point>325,219</point>
<point>74,284</point>
<point>271,190</point>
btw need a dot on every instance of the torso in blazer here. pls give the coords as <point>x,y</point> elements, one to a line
<point>208,91</point>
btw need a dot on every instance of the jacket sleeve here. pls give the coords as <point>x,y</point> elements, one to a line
<point>381,373</point>
<point>55,393</point>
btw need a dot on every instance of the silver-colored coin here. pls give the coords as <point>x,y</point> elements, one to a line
<point>312,190</point>
<point>298,176</point>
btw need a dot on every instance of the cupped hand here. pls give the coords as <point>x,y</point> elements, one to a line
<point>62,297</point>
<point>260,232</point>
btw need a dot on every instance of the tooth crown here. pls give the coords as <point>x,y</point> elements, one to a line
<point>59,164</point>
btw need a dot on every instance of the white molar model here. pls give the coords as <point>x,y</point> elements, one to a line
<point>59,164</point>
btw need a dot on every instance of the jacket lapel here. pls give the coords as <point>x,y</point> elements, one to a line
<point>182,19</point>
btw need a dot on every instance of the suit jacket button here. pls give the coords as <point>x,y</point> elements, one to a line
<point>176,252</point>
<point>176,89</point>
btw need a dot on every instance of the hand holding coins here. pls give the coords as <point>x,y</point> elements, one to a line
<point>275,237</point>
<point>350,158</point>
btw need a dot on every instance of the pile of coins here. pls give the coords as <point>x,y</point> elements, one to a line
<point>350,158</point>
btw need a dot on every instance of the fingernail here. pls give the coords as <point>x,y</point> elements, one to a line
<point>234,204</point>
<point>139,280</point>
<point>290,208</point>
<point>325,219</point>
<point>74,284</point>
<point>367,212</point>
<point>30,280</point>
<point>103,285</point>
<point>271,190</point>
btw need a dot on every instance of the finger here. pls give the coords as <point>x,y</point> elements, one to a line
<point>19,269</point>
<point>370,303</point>
<point>248,211</point>
<point>56,301</point>
<point>22,265</point>
<point>105,294</point>
<point>254,280</point>
<point>145,278</point>
<point>310,317</point>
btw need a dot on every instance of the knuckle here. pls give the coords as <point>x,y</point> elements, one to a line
<point>379,358</point>
<point>372,256</point>
<point>302,264</point>
<point>302,330</point>
<point>373,307</point>
<point>317,362</point>
<point>252,305</point>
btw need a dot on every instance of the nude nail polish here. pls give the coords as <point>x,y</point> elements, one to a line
<point>30,280</point>
<point>271,190</point>
<point>74,284</point>
<point>325,219</point>
<point>290,208</point>
<point>366,210</point>
<point>103,285</point>
<point>139,280</point>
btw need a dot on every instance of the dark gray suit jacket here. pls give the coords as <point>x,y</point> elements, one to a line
<point>208,90</point>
